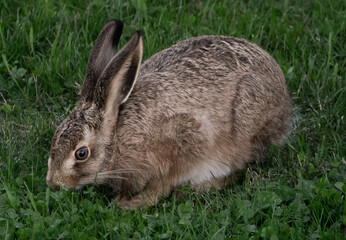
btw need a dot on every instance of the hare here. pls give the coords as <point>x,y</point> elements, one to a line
<point>194,113</point>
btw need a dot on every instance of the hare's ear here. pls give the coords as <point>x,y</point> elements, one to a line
<point>101,54</point>
<point>117,80</point>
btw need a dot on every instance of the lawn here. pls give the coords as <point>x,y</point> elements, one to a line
<point>296,192</point>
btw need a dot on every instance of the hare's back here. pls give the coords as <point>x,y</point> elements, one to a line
<point>226,84</point>
<point>207,55</point>
<point>214,76</point>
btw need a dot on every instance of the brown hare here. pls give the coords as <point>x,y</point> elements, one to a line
<point>194,113</point>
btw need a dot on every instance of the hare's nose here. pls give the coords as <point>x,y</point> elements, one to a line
<point>52,185</point>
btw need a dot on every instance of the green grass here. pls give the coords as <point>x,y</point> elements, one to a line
<point>298,192</point>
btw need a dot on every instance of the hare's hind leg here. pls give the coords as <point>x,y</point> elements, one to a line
<point>274,131</point>
<point>148,196</point>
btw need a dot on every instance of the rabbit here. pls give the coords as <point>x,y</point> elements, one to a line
<point>195,113</point>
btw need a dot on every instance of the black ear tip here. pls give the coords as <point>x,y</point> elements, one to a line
<point>117,25</point>
<point>139,33</point>
<point>117,22</point>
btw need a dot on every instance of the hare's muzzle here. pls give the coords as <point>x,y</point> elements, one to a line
<point>49,177</point>
<point>51,184</point>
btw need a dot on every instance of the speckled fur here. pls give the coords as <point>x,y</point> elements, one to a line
<point>198,112</point>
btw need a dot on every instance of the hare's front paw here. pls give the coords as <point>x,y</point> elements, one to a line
<point>136,202</point>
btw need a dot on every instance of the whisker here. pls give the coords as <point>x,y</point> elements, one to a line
<point>99,178</point>
<point>109,176</point>
<point>120,171</point>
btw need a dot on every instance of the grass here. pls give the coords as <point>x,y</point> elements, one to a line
<point>298,192</point>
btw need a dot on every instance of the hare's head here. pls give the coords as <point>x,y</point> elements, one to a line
<point>83,144</point>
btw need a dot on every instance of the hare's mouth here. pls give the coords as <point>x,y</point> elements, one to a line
<point>109,178</point>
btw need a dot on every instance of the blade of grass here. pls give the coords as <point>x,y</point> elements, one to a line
<point>31,40</point>
<point>31,197</point>
<point>330,46</point>
<point>4,59</point>
<point>13,201</point>
<point>48,192</point>
<point>2,37</point>
<point>55,43</point>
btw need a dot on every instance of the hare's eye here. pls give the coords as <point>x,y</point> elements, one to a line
<point>81,153</point>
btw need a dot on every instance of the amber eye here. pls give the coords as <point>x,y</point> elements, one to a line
<point>81,153</point>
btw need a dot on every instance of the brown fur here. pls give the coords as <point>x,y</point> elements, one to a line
<point>198,112</point>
